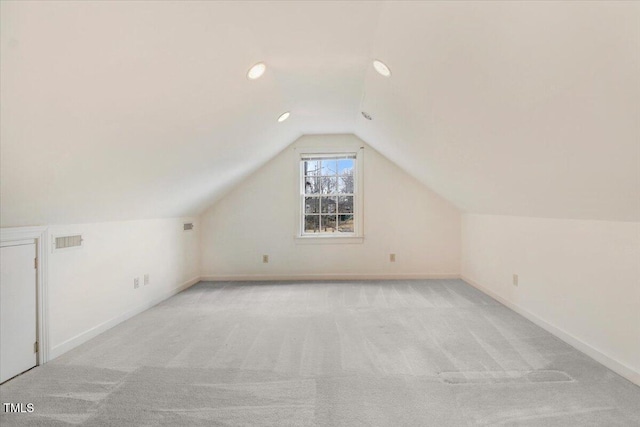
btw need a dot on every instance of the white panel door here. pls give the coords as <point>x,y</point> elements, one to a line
<point>17,310</point>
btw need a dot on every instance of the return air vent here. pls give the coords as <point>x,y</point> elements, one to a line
<point>188,226</point>
<point>64,242</point>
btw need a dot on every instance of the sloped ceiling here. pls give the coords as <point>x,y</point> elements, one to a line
<point>129,110</point>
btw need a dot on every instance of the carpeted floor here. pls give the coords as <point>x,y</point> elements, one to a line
<point>383,353</point>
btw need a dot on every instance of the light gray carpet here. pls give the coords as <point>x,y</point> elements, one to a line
<point>388,353</point>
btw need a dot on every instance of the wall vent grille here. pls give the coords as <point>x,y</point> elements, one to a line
<point>188,226</point>
<point>64,242</point>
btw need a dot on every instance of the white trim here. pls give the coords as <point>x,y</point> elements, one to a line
<point>327,240</point>
<point>85,336</point>
<point>39,235</point>
<point>608,361</point>
<point>325,276</point>
<point>319,150</point>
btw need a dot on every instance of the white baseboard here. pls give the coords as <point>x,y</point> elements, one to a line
<point>322,276</point>
<point>83,337</point>
<point>608,361</point>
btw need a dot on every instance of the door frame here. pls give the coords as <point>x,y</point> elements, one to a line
<point>40,236</point>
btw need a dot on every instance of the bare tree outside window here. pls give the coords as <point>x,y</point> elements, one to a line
<point>329,193</point>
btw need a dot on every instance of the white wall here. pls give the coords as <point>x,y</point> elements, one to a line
<point>259,217</point>
<point>578,278</point>
<point>90,289</point>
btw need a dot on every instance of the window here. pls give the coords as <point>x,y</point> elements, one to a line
<point>329,195</point>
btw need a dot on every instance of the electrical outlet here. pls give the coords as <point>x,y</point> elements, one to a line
<point>146,279</point>
<point>392,257</point>
<point>136,283</point>
<point>515,280</point>
<point>265,259</point>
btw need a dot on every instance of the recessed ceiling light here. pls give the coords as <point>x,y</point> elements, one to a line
<point>284,116</point>
<point>366,116</point>
<point>256,71</point>
<point>381,68</point>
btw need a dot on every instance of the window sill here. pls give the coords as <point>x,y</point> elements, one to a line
<point>328,240</point>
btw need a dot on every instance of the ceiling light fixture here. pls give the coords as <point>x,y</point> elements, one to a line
<point>256,71</point>
<point>284,116</point>
<point>381,68</point>
<point>366,116</point>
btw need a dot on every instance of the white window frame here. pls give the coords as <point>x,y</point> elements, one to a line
<point>358,206</point>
